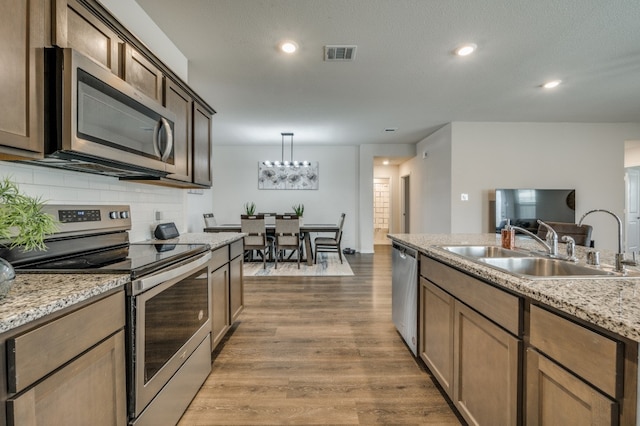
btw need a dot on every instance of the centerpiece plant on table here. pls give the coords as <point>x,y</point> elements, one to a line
<point>298,209</point>
<point>250,208</point>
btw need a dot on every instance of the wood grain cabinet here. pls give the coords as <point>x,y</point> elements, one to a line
<point>575,375</point>
<point>220,312</point>
<point>469,337</point>
<point>437,313</point>
<point>485,370</point>
<point>141,73</point>
<point>201,145</point>
<point>76,27</point>
<point>70,370</point>
<point>22,26</point>
<point>227,289</point>
<point>236,296</point>
<point>555,396</point>
<point>178,101</point>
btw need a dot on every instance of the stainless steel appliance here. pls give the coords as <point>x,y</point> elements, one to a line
<point>96,122</point>
<point>168,318</point>
<point>404,293</point>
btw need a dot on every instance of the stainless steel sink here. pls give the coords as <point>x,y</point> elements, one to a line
<point>483,251</point>
<point>544,267</point>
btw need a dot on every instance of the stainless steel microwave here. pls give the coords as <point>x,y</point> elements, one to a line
<point>96,122</point>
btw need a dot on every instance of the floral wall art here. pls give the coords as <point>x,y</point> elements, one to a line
<point>302,177</point>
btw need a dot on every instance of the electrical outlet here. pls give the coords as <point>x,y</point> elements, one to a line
<point>464,197</point>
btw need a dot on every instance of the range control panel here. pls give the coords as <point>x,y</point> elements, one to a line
<point>90,218</point>
<point>67,216</point>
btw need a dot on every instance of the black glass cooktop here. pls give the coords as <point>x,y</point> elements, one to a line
<point>137,259</point>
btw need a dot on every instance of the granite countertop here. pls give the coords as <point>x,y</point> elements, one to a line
<point>34,296</point>
<point>611,303</point>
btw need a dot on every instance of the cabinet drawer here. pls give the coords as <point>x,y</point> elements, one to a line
<point>236,249</point>
<point>592,356</point>
<point>90,390</point>
<point>65,338</point>
<point>498,305</point>
<point>219,257</point>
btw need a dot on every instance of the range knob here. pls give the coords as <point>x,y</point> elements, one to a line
<point>113,215</point>
<point>124,214</point>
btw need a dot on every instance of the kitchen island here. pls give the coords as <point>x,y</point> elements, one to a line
<point>515,350</point>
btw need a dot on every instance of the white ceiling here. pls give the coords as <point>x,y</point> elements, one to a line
<point>405,74</point>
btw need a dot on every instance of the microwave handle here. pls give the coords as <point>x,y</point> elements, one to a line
<point>156,138</point>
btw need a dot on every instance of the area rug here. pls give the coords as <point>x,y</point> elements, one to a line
<point>328,265</point>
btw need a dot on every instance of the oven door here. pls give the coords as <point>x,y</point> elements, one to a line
<point>169,313</point>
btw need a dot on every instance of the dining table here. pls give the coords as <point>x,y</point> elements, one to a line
<point>305,230</point>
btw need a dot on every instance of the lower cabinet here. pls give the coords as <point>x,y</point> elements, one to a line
<point>88,391</point>
<point>557,397</point>
<point>476,360</point>
<point>220,317</point>
<point>436,339</point>
<point>472,337</point>
<point>69,369</point>
<point>236,297</point>
<point>227,290</point>
<point>575,374</point>
<point>485,370</point>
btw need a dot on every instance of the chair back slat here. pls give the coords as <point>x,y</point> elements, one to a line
<point>255,228</point>
<point>340,225</point>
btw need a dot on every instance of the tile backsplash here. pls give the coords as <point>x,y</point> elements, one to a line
<point>66,187</point>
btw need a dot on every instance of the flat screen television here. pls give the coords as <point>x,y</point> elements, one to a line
<point>525,206</point>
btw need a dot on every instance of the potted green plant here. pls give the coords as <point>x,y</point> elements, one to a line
<point>298,210</point>
<point>22,224</point>
<point>250,208</point>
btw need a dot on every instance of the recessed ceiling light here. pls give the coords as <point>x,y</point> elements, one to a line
<point>552,84</point>
<point>385,162</point>
<point>288,46</point>
<point>465,49</point>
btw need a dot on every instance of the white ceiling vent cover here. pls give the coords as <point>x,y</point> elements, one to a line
<point>339,53</point>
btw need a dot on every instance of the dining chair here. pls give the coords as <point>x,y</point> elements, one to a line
<point>330,244</point>
<point>580,234</point>
<point>270,220</point>
<point>287,236</point>
<point>256,236</point>
<point>209,220</point>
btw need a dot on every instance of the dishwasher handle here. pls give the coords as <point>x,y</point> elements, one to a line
<point>405,251</point>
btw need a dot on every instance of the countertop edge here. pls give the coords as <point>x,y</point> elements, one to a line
<point>609,303</point>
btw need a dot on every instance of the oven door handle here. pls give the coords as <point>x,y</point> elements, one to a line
<point>145,283</point>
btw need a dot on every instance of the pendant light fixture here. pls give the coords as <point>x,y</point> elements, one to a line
<point>286,163</point>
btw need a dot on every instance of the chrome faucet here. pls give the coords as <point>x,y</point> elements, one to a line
<point>551,244</point>
<point>620,260</point>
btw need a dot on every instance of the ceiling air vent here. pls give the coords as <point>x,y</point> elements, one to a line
<point>339,53</point>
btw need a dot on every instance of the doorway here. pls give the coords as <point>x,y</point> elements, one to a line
<point>632,208</point>
<point>404,203</point>
<point>381,210</point>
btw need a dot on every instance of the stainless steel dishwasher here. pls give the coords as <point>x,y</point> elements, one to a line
<point>404,293</point>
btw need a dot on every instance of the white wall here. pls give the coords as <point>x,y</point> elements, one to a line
<point>136,20</point>
<point>65,187</point>
<point>484,156</point>
<point>235,174</point>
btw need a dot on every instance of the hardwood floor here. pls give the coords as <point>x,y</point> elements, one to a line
<point>319,350</point>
